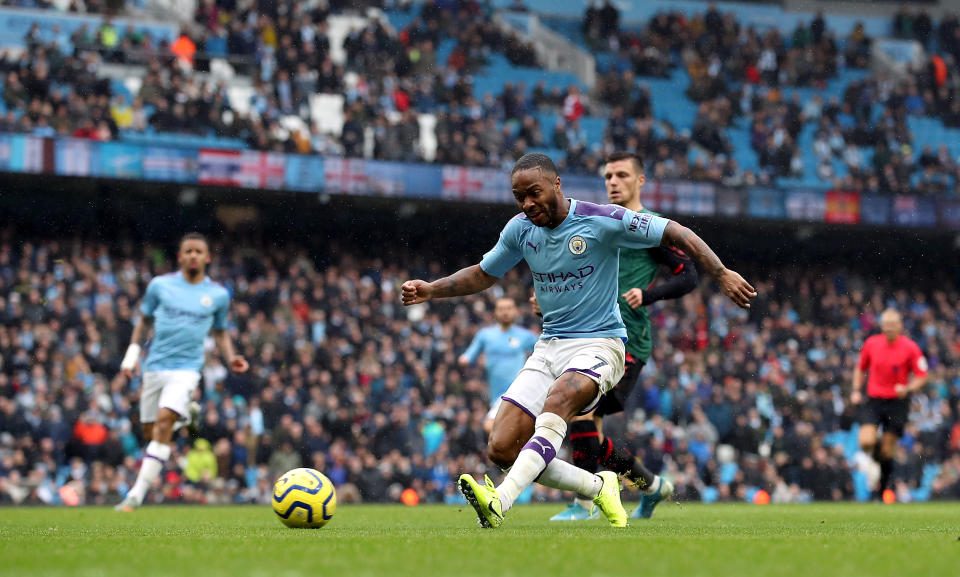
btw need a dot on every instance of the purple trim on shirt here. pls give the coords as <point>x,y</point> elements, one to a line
<point>584,371</point>
<point>524,409</point>
<point>607,210</point>
<point>158,459</point>
<point>542,447</point>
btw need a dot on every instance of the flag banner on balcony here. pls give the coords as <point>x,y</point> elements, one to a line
<point>766,203</point>
<point>843,207</point>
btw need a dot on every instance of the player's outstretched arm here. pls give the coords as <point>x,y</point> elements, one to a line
<point>731,283</point>
<point>132,357</point>
<point>465,281</point>
<point>236,362</point>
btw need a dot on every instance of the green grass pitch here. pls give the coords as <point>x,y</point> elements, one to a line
<point>737,540</point>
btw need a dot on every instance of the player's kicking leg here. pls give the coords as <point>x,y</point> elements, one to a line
<point>536,460</point>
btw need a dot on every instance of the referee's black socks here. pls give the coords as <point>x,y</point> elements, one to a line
<point>886,468</point>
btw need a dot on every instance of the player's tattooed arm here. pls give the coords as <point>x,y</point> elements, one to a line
<point>731,283</point>
<point>465,281</point>
<point>681,237</point>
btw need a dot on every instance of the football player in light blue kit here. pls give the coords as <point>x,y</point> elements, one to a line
<point>572,249</point>
<point>505,349</point>
<point>182,308</point>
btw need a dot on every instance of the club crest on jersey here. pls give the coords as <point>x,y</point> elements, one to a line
<point>206,301</point>
<point>577,244</point>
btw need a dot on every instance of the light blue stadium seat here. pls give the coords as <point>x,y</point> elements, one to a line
<point>678,111</point>
<point>500,71</point>
<point>444,50</point>
<point>118,87</point>
<point>399,20</point>
<point>555,153</point>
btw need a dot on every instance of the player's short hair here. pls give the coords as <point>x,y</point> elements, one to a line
<point>535,160</point>
<point>192,236</point>
<point>624,155</point>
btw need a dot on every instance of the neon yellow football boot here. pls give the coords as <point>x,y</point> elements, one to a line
<point>485,500</point>
<point>608,501</point>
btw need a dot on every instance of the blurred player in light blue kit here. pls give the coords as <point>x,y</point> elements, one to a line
<point>182,308</point>
<point>505,348</point>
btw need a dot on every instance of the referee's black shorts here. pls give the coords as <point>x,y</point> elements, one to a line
<point>615,400</point>
<point>890,414</point>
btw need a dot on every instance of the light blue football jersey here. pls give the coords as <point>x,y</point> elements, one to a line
<point>575,266</point>
<point>183,315</point>
<point>504,352</point>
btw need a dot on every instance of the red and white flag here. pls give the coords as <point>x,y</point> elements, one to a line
<point>345,175</point>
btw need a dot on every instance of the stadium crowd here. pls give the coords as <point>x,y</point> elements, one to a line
<point>739,75</point>
<point>737,78</point>
<point>346,380</point>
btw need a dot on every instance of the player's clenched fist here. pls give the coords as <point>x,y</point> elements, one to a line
<point>415,292</point>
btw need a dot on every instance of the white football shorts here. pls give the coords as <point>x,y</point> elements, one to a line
<point>601,359</point>
<point>166,389</point>
<point>494,409</point>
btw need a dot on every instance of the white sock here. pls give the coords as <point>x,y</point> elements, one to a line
<point>153,459</point>
<point>654,487</point>
<point>562,475</point>
<point>585,503</point>
<point>539,451</point>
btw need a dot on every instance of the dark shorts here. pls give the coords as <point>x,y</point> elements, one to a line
<point>891,414</point>
<point>614,401</point>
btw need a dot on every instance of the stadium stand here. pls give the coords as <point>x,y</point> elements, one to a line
<point>345,380</point>
<point>796,106</point>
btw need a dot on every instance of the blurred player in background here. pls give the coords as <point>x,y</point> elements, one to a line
<point>624,178</point>
<point>181,308</point>
<point>505,348</point>
<point>572,249</point>
<point>888,359</point>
